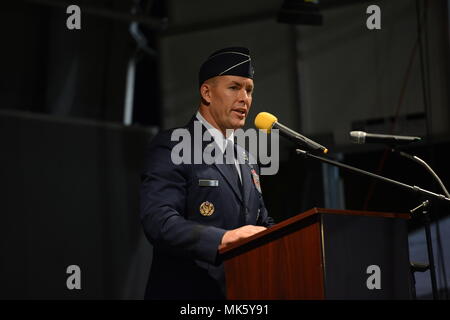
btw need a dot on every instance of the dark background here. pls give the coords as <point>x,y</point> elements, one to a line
<point>70,161</point>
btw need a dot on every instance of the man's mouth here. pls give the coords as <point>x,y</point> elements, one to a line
<point>240,112</point>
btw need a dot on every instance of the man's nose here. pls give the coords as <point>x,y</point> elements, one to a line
<point>244,95</point>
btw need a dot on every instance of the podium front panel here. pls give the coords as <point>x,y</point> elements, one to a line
<point>288,265</point>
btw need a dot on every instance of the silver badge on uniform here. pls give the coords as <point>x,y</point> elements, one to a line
<point>208,183</point>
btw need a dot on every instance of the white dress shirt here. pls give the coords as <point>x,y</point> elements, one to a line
<point>220,139</point>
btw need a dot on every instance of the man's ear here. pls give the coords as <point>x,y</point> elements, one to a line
<point>205,93</point>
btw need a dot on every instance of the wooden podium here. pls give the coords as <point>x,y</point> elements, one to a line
<point>323,254</point>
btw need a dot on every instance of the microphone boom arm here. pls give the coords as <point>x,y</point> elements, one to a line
<point>373,175</point>
<point>424,164</point>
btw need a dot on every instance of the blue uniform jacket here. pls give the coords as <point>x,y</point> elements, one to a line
<point>185,242</point>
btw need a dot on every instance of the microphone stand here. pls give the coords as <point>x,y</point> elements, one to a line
<point>426,219</point>
<point>426,216</point>
<point>416,189</point>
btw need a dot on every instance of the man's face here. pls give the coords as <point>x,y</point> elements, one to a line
<point>230,100</point>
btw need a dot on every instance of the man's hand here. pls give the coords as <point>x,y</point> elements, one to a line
<point>234,235</point>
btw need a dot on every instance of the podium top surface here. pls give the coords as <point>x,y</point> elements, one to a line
<point>302,216</point>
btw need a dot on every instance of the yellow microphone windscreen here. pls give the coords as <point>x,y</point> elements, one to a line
<point>265,121</point>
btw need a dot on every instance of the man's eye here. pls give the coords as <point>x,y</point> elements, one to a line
<point>234,87</point>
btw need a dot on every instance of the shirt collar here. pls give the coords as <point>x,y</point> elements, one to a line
<point>218,136</point>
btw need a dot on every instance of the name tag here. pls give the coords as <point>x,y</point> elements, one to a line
<point>208,183</point>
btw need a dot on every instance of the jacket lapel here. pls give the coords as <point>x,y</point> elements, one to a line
<point>245,173</point>
<point>224,169</point>
<point>229,176</point>
<point>246,182</point>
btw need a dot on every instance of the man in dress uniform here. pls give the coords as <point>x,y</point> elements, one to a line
<point>190,210</point>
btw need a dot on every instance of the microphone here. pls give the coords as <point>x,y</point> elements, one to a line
<point>362,137</point>
<point>267,121</point>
